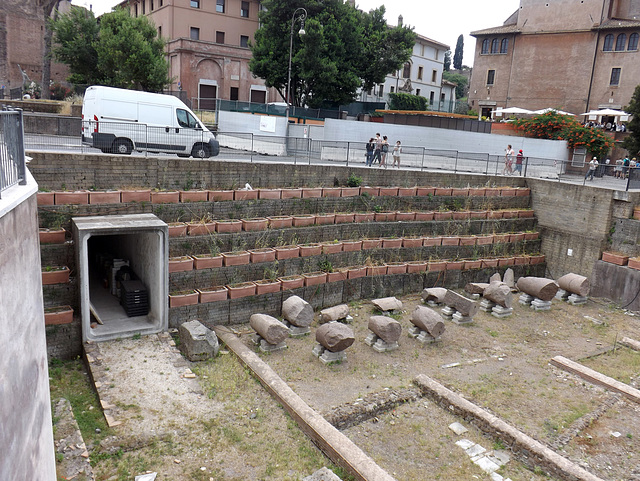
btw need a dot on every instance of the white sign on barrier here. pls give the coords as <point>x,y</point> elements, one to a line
<point>267,124</point>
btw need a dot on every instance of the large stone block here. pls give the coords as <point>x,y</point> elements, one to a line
<point>297,311</point>
<point>197,342</point>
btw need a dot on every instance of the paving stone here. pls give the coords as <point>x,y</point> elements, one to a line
<point>458,428</point>
<point>465,444</point>
<point>475,450</point>
<point>486,464</point>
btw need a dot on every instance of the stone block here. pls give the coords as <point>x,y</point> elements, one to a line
<point>197,342</point>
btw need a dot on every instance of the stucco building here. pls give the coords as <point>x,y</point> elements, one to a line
<point>575,55</point>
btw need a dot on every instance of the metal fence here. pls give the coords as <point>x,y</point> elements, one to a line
<point>12,160</point>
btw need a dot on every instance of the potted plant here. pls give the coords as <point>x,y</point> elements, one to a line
<point>187,297</point>
<point>207,261</point>
<point>455,265</point>
<point>396,268</point>
<point>267,286</point>
<point>242,289</point>
<point>257,223</point>
<point>355,272</point>
<point>52,236</point>
<point>264,254</point>
<point>236,258</point>
<point>516,237</point>
<point>55,275</point>
<point>344,218</point>
<point>351,245</point>
<point>388,191</point>
<point>291,282</point>
<point>220,195</point>
<point>202,227</point>
<point>425,216</point>
<point>443,191</point>
<point>291,193</point>
<point>241,194</point>
<point>177,229</point>
<point>405,216</point>
<point>460,191</point>
<point>269,194</point>
<point>332,191</point>
<point>228,225</point>
<point>303,220</point>
<point>377,270</point>
<point>165,197</point>
<point>54,316</point>
<point>194,195</point>
<point>412,241</point>
<point>416,266</point>
<point>425,191</point>
<point>617,258</point>
<point>331,247</point>
<point>311,192</point>
<point>307,250</point>
<point>349,191</point>
<point>442,215</point>
<point>484,239</point>
<point>180,264</point>
<point>287,252</point>
<point>391,242</point>
<point>436,265</point>
<point>529,235</point>
<point>371,191</point>
<point>371,243</point>
<point>472,264</point>
<point>363,217</point>
<point>72,198</point>
<point>46,198</point>
<point>432,241</point>
<point>314,278</point>
<point>509,214</point>
<point>406,191</point>
<point>104,197</point>
<point>476,191</point>
<point>324,219</point>
<point>489,263</point>
<point>336,276</point>
<point>213,294</point>
<point>538,259</point>
<point>525,214</point>
<point>450,240</point>
<point>495,214</point>
<point>634,263</point>
<point>280,221</point>
<point>141,195</point>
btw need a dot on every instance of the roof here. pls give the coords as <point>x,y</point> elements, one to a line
<point>496,30</point>
<point>427,39</point>
<point>616,23</point>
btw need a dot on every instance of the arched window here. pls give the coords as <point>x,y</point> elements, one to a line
<point>621,42</point>
<point>633,42</point>
<point>494,45</point>
<point>504,45</point>
<point>485,46</point>
<point>608,43</point>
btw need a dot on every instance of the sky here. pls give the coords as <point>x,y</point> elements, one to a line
<point>438,20</point>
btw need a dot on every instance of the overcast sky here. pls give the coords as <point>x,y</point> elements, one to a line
<point>442,21</point>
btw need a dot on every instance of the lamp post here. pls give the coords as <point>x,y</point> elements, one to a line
<point>301,17</point>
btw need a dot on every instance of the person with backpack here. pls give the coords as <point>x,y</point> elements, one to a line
<point>384,149</point>
<point>378,149</point>
<point>370,147</point>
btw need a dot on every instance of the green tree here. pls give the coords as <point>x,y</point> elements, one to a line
<point>632,142</point>
<point>457,56</point>
<point>447,60</point>
<point>343,50</point>
<point>461,83</point>
<point>404,101</point>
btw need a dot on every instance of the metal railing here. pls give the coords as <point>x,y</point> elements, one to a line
<point>12,159</point>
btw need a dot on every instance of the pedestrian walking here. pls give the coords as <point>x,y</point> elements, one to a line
<point>508,161</point>
<point>593,165</point>
<point>384,148</point>
<point>370,147</point>
<point>397,150</point>
<point>519,159</point>
<point>378,149</point>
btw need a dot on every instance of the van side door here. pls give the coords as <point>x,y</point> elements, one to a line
<point>189,130</point>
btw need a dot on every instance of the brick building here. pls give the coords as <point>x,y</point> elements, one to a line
<point>576,55</point>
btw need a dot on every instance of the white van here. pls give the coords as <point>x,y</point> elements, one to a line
<point>120,121</point>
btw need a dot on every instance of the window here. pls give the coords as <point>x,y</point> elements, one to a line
<point>406,72</point>
<point>442,98</point>
<point>160,31</point>
<point>621,42</point>
<point>491,76</point>
<point>258,96</point>
<point>393,89</point>
<point>135,10</point>
<point>195,3</point>
<point>633,42</point>
<point>194,33</point>
<point>244,41</point>
<point>144,7</point>
<point>418,92</point>
<point>185,119</point>
<point>485,46</point>
<point>233,93</point>
<point>220,6</point>
<point>161,3</point>
<point>151,5</point>
<point>420,73</point>
<point>434,76</point>
<point>219,37</point>
<point>244,9</point>
<point>381,91</point>
<point>494,45</point>
<point>504,45</point>
<point>436,54</point>
<point>615,76</point>
<point>431,98</point>
<point>608,43</point>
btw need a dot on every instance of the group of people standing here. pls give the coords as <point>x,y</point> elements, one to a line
<point>377,149</point>
<point>508,161</point>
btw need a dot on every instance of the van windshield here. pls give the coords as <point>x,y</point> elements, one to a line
<point>185,119</point>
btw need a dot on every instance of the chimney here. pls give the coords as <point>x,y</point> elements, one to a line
<point>399,20</point>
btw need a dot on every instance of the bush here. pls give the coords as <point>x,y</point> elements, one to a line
<point>354,180</point>
<point>403,101</point>
<point>59,92</point>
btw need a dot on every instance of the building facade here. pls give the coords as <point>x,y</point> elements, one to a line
<point>573,55</point>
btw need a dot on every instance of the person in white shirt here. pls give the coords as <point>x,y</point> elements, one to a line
<point>593,165</point>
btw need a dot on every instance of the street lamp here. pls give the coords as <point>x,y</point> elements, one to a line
<point>301,17</point>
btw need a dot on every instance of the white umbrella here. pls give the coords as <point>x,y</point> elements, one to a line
<point>512,110</point>
<point>607,112</point>
<point>550,109</point>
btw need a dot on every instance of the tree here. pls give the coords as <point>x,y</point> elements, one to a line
<point>48,7</point>
<point>343,50</point>
<point>461,83</point>
<point>457,56</point>
<point>447,60</point>
<point>632,142</point>
<point>123,51</point>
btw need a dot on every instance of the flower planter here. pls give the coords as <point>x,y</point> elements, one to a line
<point>500,238</point>
<point>615,258</point>
<point>445,191</point>
<point>201,228</point>
<point>508,191</point>
<point>344,218</point>
<point>110,197</point>
<point>455,265</point>
<point>406,191</point>
<point>450,240</point>
<point>314,278</point>
<point>356,272</point>
<point>410,242</point>
<point>269,194</point>
<point>472,264</point>
<point>492,192</point>
<point>220,195</point>
<point>244,289</point>
<point>436,266</point>
<point>280,221</point>
<point>259,223</point>
<point>525,214</point>
<point>509,214</point>
<point>363,217</point>
<point>267,286</point>
<point>213,294</point>
<point>185,298</point>
<point>396,268</point>
<point>416,267</point>
<point>371,244</point>
<point>483,240</point>
<point>424,216</point>
<point>262,255</point>
<point>381,216</point>
<point>166,197</point>
<point>351,192</point>
<point>494,214</point>
<point>539,259</point>
<point>55,275</point>
<point>468,240</point>
<point>324,219</point>
<point>331,247</point>
<point>287,252</point>
<point>517,237</point>
<point>207,261</point>
<point>523,192</point>
<point>340,275</point>
<point>239,258</point>
<point>291,282</point>
<point>390,243</point>
<point>307,250</point>
<point>180,264</point>
<point>388,191</point>
<point>194,195</point>
<point>46,198</point>
<point>432,241</point>
<point>442,215</point>
<point>520,260</point>
<point>372,191</point>
<point>376,270</point>
<point>351,246</point>
<point>54,316</point>
<point>244,195</point>
<point>226,226</point>
<point>405,216</point>
<point>476,191</point>
<point>489,263</point>
<point>332,191</point>
<point>461,215</point>
<point>135,195</point>
<point>478,214</point>
<point>506,261</point>
<point>177,229</point>
<point>634,263</point>
<point>72,198</point>
<point>303,220</point>
<point>425,191</point>
<point>291,193</point>
<point>49,236</point>
<point>457,192</point>
<point>531,235</point>
<point>311,193</point>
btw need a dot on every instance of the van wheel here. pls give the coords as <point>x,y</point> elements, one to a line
<point>122,146</point>
<point>201,151</point>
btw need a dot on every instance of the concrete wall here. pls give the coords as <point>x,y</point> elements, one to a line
<point>26,435</point>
